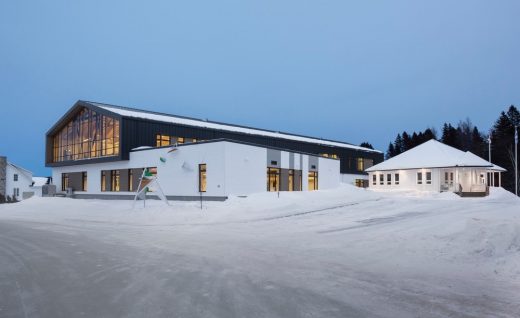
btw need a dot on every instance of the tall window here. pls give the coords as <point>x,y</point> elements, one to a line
<point>103,181</point>
<point>419,177</point>
<point>180,140</point>
<point>15,177</point>
<point>389,179</point>
<point>428,177</point>
<point>115,180</point>
<point>130,180</point>
<point>374,179</point>
<point>87,135</point>
<point>381,179</point>
<point>291,180</point>
<point>84,183</point>
<point>162,140</point>
<point>313,180</point>
<point>202,177</point>
<point>396,179</point>
<point>360,164</point>
<point>64,181</point>
<point>273,179</point>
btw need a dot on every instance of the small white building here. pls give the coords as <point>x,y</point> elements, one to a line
<point>214,169</point>
<point>434,166</point>
<point>15,181</point>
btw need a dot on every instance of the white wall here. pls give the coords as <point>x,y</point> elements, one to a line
<point>407,180</point>
<point>232,169</point>
<point>245,169</point>
<point>24,181</point>
<point>328,173</point>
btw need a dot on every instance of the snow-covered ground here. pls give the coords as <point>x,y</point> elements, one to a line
<point>347,252</point>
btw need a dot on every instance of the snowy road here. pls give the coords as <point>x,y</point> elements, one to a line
<point>377,256</point>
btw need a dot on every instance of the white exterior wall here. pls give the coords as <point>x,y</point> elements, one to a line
<point>24,181</point>
<point>245,169</point>
<point>407,180</point>
<point>328,174</point>
<point>232,169</point>
<point>305,173</point>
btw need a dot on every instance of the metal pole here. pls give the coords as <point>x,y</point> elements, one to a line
<point>489,143</point>
<point>516,160</point>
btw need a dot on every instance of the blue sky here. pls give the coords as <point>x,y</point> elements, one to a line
<point>353,71</point>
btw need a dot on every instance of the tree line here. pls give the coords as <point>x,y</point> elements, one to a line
<point>467,137</point>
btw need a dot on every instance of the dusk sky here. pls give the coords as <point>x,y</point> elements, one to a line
<point>343,70</point>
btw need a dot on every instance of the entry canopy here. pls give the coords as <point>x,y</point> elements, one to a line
<point>433,154</point>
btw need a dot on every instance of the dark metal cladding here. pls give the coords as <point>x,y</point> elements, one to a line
<point>137,132</point>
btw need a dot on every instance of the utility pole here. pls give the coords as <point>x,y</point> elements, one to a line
<point>516,160</point>
<point>489,143</point>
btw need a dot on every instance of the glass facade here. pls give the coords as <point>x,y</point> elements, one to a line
<point>273,179</point>
<point>313,180</point>
<point>87,135</point>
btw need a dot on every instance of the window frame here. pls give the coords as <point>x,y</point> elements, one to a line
<point>428,180</point>
<point>388,179</point>
<point>419,177</point>
<point>396,178</point>
<point>381,179</point>
<point>15,177</point>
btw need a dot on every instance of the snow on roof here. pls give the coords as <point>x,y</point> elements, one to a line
<point>39,181</point>
<point>432,154</point>
<point>137,113</point>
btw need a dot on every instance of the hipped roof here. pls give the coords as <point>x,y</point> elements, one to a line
<point>433,154</point>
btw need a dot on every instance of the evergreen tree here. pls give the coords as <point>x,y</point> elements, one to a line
<point>398,145</point>
<point>429,134</point>
<point>366,145</point>
<point>450,136</point>
<point>407,142</point>
<point>390,152</point>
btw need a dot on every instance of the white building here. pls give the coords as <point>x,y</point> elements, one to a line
<point>15,181</point>
<point>434,166</point>
<point>214,169</point>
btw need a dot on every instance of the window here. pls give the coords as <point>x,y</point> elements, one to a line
<point>15,177</point>
<point>396,178</point>
<point>374,179</point>
<point>130,180</point>
<point>381,179</point>
<point>291,180</point>
<point>103,181</point>
<point>419,177</point>
<point>64,181</point>
<point>87,135</point>
<point>313,180</point>
<point>274,162</point>
<point>389,179</point>
<point>360,164</point>
<point>180,140</point>
<point>115,180</point>
<point>202,177</point>
<point>428,177</point>
<point>273,179</point>
<point>162,140</point>
<point>84,181</point>
<point>329,155</point>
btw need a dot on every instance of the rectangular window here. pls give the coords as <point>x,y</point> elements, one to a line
<point>396,178</point>
<point>103,181</point>
<point>115,180</point>
<point>84,182</point>
<point>64,181</point>
<point>313,180</point>
<point>162,140</point>
<point>419,177</point>
<point>381,179</point>
<point>15,177</point>
<point>273,179</point>
<point>180,140</point>
<point>202,177</point>
<point>360,164</point>
<point>428,177</point>
<point>291,180</point>
<point>374,179</point>
<point>130,180</point>
<point>389,179</point>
